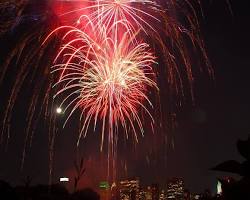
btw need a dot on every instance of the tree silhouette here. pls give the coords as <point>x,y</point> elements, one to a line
<point>80,170</point>
<point>85,194</point>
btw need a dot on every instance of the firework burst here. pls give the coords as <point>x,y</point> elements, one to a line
<point>168,29</point>
<point>104,68</point>
<point>106,80</point>
<point>134,15</point>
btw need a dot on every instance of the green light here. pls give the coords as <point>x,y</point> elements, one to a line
<point>104,185</point>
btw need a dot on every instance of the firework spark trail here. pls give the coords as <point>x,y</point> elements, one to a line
<point>27,59</point>
<point>169,29</point>
<point>106,70</point>
<point>9,12</point>
<point>135,14</point>
<point>102,53</point>
<point>106,80</point>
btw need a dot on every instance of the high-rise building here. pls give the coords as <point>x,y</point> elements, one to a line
<point>142,194</point>
<point>151,193</point>
<point>219,188</point>
<point>114,192</point>
<point>104,190</point>
<point>162,195</point>
<point>145,193</point>
<point>196,196</point>
<point>187,194</point>
<point>175,189</point>
<point>155,191</point>
<point>129,189</point>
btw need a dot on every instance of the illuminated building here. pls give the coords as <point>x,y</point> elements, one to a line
<point>64,179</point>
<point>219,188</point>
<point>162,195</point>
<point>175,189</point>
<point>187,194</point>
<point>142,194</point>
<point>155,191</point>
<point>114,192</point>
<point>129,189</point>
<point>104,190</point>
<point>145,193</point>
<point>196,196</point>
<point>148,193</point>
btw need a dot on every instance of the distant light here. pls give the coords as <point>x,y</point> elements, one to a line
<point>113,185</point>
<point>197,196</point>
<point>219,188</point>
<point>64,179</point>
<point>58,110</point>
<point>104,185</point>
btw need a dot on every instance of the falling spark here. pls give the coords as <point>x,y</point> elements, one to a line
<point>134,14</point>
<point>107,81</point>
<point>104,69</point>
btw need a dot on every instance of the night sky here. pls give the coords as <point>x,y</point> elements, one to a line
<point>206,134</point>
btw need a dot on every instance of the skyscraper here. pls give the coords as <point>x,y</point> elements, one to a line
<point>162,195</point>
<point>175,189</point>
<point>104,190</point>
<point>148,193</point>
<point>155,191</point>
<point>145,193</point>
<point>129,189</point>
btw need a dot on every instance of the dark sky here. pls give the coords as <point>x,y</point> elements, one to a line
<point>207,132</point>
